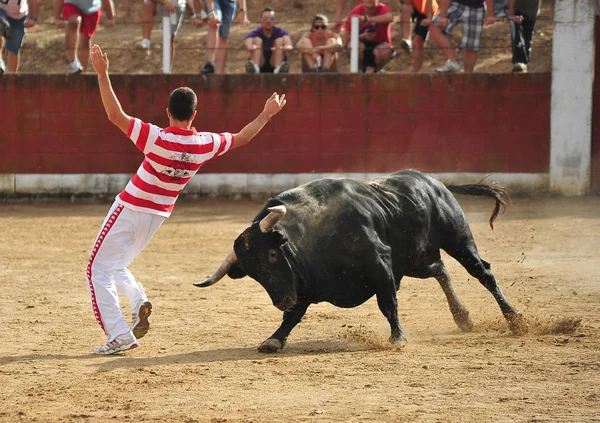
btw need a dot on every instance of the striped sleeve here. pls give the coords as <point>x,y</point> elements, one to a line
<point>143,135</point>
<point>223,143</point>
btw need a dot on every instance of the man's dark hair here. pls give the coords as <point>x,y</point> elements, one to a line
<point>267,9</point>
<point>182,103</point>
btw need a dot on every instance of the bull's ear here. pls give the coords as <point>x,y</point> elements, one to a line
<point>235,272</point>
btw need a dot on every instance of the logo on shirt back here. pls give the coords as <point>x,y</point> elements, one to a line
<point>182,166</point>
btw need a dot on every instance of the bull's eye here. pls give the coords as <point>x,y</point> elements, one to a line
<point>272,256</point>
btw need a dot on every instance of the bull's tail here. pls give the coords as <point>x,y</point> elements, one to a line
<point>493,190</point>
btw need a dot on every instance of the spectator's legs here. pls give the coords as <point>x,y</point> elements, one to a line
<point>72,36</point>
<point>406,12</point>
<point>85,43</point>
<point>442,42</point>
<point>277,56</point>
<point>304,46</point>
<point>221,53</point>
<point>148,19</point>
<point>211,41</point>
<point>329,58</point>
<point>383,54</point>
<point>256,55</point>
<point>1,61</point>
<point>339,10</point>
<point>13,62</point>
<point>469,60</point>
<point>226,12</point>
<point>418,53</point>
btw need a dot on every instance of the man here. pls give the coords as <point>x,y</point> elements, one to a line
<point>220,17</point>
<point>375,39</point>
<point>473,15</point>
<point>80,19</point>
<point>522,15</point>
<point>15,19</point>
<point>319,47</point>
<point>339,12</point>
<point>267,46</point>
<point>172,156</point>
<point>421,12</point>
<point>172,8</point>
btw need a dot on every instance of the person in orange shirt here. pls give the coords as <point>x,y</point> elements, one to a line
<point>420,12</point>
<point>319,47</point>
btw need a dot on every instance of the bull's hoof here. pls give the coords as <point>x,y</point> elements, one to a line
<point>517,324</point>
<point>398,342</point>
<point>463,321</point>
<point>270,346</point>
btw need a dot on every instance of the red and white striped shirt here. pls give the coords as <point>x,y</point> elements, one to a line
<point>172,156</point>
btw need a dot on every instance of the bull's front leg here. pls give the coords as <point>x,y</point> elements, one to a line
<point>291,318</point>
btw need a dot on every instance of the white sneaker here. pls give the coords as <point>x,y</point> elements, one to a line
<point>283,68</point>
<point>146,44</point>
<point>449,67</point>
<point>75,67</point>
<point>406,44</point>
<point>141,325</point>
<point>2,68</point>
<point>121,343</point>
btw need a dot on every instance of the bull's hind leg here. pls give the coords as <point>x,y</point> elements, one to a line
<point>290,319</point>
<point>469,258</point>
<point>386,298</point>
<point>438,271</point>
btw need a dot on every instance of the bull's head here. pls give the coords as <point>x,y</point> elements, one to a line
<point>258,252</point>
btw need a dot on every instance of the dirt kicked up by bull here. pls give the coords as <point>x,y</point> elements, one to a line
<point>343,241</point>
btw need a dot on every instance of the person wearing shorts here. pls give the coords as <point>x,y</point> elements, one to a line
<point>319,47</point>
<point>174,9</point>
<point>420,12</point>
<point>220,17</point>
<point>267,46</point>
<point>80,18</point>
<point>473,14</point>
<point>14,21</point>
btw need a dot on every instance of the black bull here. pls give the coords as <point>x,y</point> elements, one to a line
<point>343,241</point>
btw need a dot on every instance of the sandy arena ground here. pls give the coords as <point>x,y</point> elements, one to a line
<point>199,361</point>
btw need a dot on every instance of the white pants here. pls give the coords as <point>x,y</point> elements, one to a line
<point>123,236</point>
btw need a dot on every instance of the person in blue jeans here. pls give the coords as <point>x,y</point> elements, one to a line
<point>220,17</point>
<point>522,15</point>
<point>15,19</point>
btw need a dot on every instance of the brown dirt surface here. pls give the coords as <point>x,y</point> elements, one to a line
<point>43,51</point>
<point>199,361</point>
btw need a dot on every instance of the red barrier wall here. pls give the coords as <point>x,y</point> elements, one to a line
<point>332,123</point>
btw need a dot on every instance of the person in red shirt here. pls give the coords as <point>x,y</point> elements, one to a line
<point>319,47</point>
<point>375,47</point>
<point>171,158</point>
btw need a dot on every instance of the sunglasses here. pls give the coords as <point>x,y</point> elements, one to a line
<point>320,26</point>
<point>268,18</point>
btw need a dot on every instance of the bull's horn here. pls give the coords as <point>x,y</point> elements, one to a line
<point>270,220</point>
<point>229,261</point>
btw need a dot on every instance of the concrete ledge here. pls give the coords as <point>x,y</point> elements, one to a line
<point>233,185</point>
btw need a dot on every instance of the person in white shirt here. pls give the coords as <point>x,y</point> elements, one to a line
<point>15,19</point>
<point>171,157</point>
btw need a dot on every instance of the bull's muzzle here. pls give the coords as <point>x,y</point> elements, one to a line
<point>286,303</point>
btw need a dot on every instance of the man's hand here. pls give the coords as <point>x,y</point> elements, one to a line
<point>169,6</point>
<point>274,104</point>
<point>490,19</point>
<point>516,19</point>
<point>109,23</point>
<point>443,21</point>
<point>29,23</point>
<point>242,19</point>
<point>59,22</point>
<point>99,60</point>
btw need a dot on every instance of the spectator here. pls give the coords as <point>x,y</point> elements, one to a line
<point>319,47</point>
<point>375,47</point>
<point>421,12</point>
<point>220,18</point>
<point>171,8</point>
<point>267,46</point>
<point>14,21</point>
<point>339,12</point>
<point>522,15</point>
<point>80,19</point>
<point>473,14</point>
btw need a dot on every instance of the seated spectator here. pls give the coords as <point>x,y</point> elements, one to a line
<point>522,15</point>
<point>80,19</point>
<point>267,46</point>
<point>375,39</point>
<point>420,12</point>
<point>319,47</point>
<point>14,21</point>
<point>473,15</point>
<point>171,8</point>
<point>220,17</point>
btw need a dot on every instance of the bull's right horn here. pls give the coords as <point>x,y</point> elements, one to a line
<point>229,261</point>
<point>276,213</point>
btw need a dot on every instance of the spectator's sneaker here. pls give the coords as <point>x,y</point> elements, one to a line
<point>74,67</point>
<point>449,67</point>
<point>145,44</point>
<point>283,68</point>
<point>251,67</point>
<point>5,29</point>
<point>406,44</point>
<point>519,67</point>
<point>121,343</point>
<point>140,319</point>
<point>2,68</point>
<point>208,68</point>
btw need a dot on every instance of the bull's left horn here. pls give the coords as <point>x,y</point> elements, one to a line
<point>270,220</point>
<point>229,261</point>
